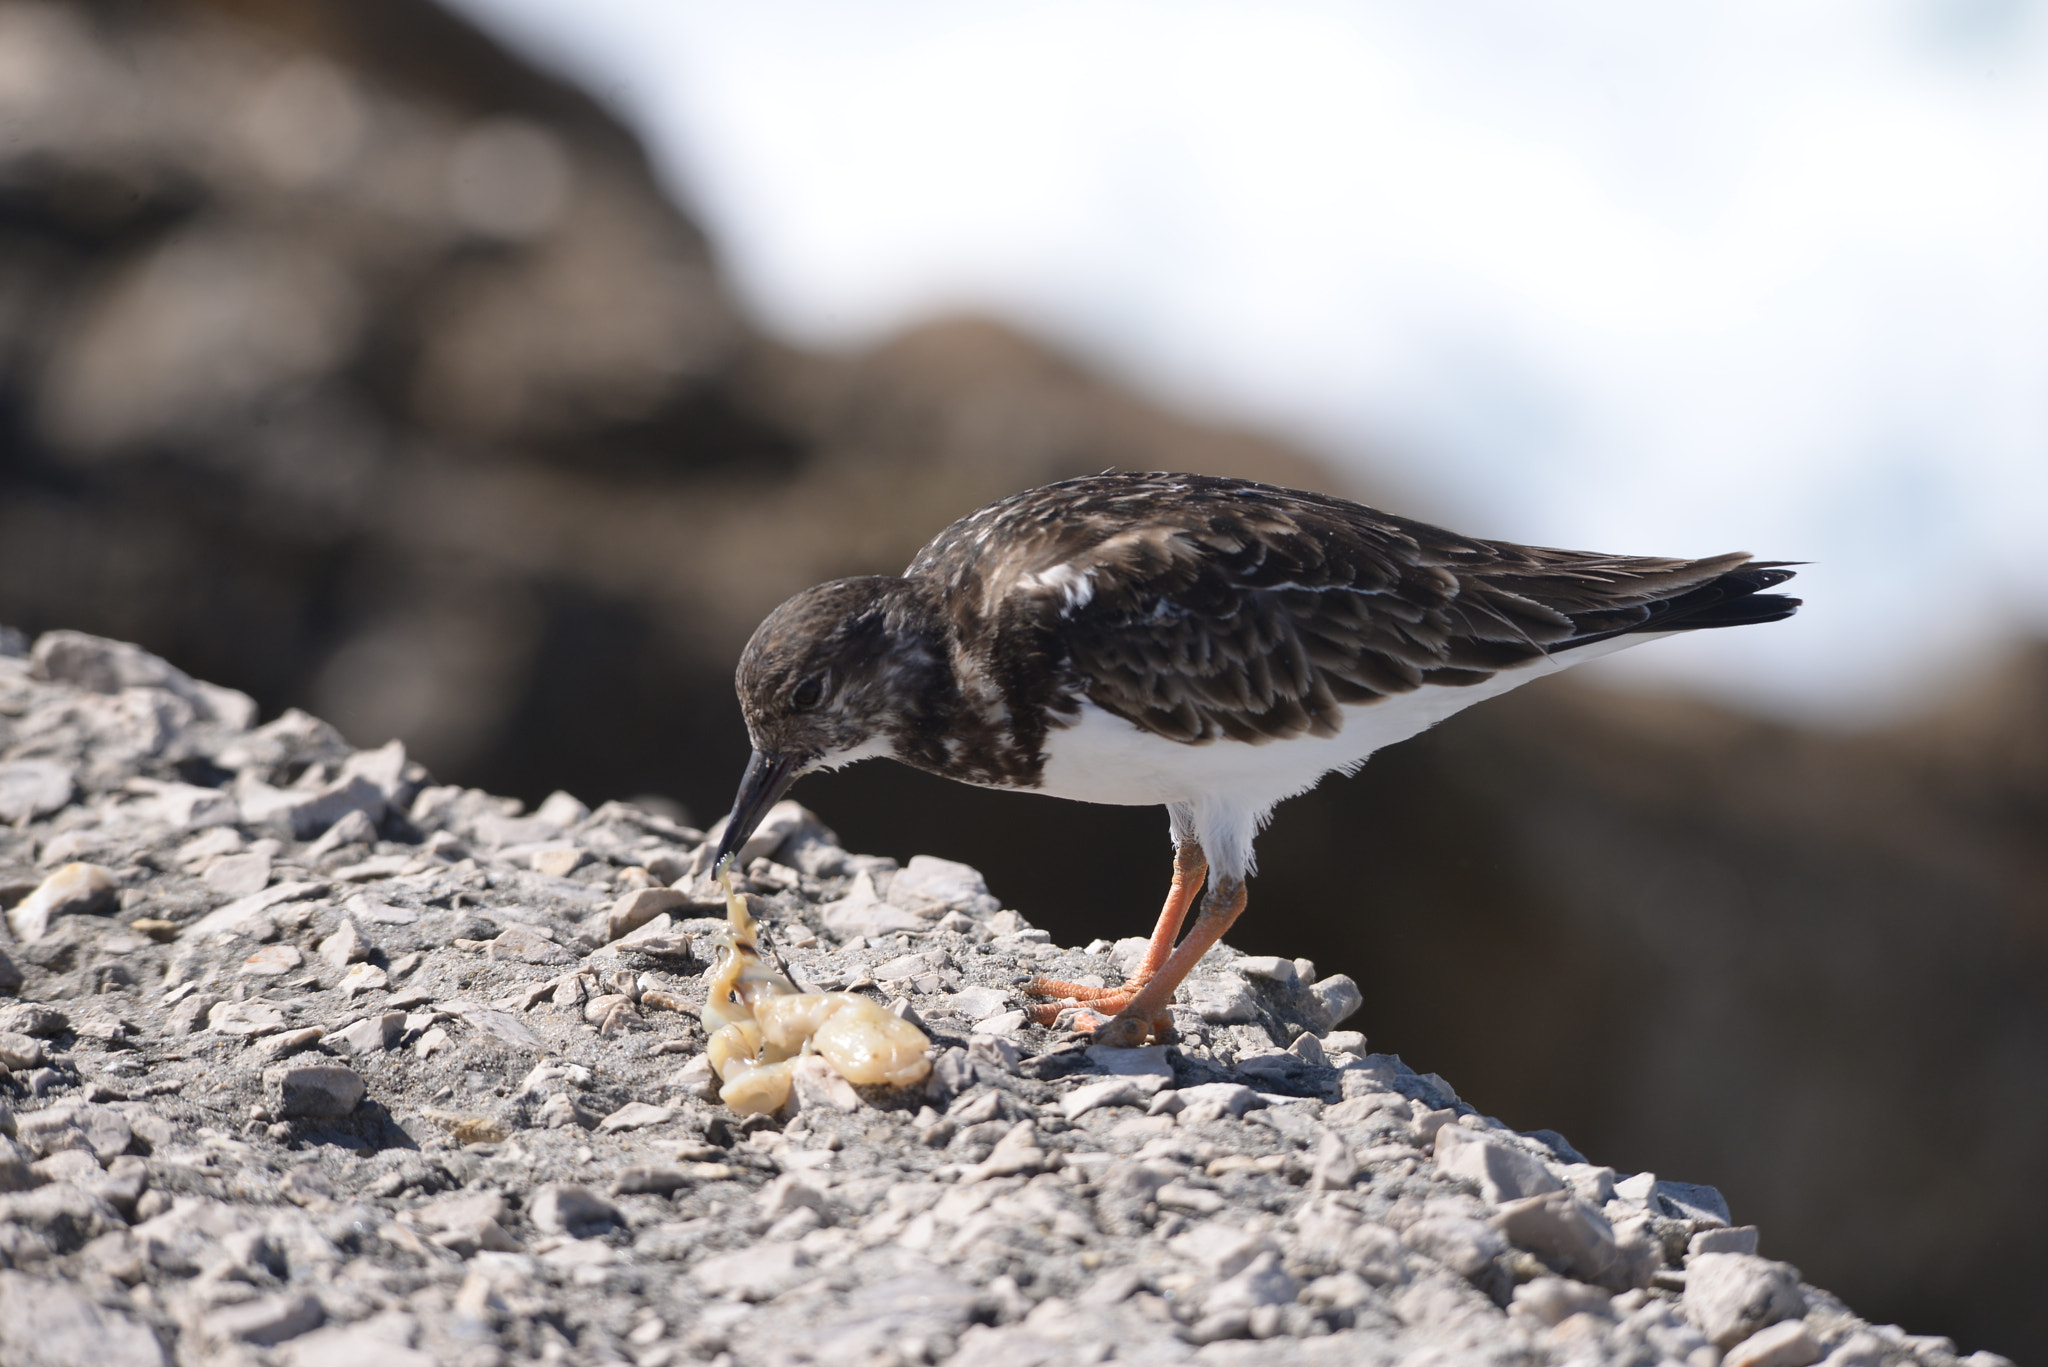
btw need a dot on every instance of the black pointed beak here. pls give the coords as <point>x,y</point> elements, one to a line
<point>767,778</point>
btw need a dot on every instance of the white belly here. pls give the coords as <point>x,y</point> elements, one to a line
<point>1225,789</point>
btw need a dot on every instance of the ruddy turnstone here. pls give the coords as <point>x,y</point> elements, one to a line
<point>1210,645</point>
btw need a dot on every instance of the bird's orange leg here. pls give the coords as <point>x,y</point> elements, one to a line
<point>1190,866</point>
<point>1145,1016</point>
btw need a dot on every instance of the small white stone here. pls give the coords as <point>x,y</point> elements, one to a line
<point>815,1085</point>
<point>18,1051</point>
<point>1268,966</point>
<point>930,886</point>
<point>1221,1001</point>
<point>245,914</point>
<point>1007,1023</point>
<point>1590,1183</point>
<point>638,907</point>
<point>909,966</point>
<point>272,961</point>
<point>1218,1099</point>
<point>1147,1061</point>
<point>1503,1173</point>
<point>567,1208</point>
<point>238,875</point>
<point>528,945</point>
<point>362,978</point>
<point>289,1042</point>
<point>1114,1091</point>
<point>313,1090</point>
<point>560,1112</point>
<point>372,1034</point>
<point>345,946</point>
<point>216,842</point>
<point>697,1079</point>
<point>862,912</point>
<point>1787,1343</point>
<point>558,861</point>
<point>1552,1300</point>
<point>1223,1250</point>
<point>1564,1231</point>
<point>754,1274</point>
<point>1016,1153</point>
<point>1335,1167</point>
<point>1262,1283</point>
<point>1700,1204</point>
<point>1731,1296</point>
<point>245,1018</point>
<point>790,1192</point>
<point>1194,1200</point>
<point>1309,1050</point>
<point>354,828</point>
<point>1638,1188</point>
<point>1338,996</point>
<point>1865,1349</point>
<point>1741,1239</point>
<point>1465,1246</point>
<point>70,890</point>
<point>635,1115</point>
<point>362,908</point>
<point>976,1003</point>
<point>561,810</point>
<point>30,788</point>
<point>469,1214</point>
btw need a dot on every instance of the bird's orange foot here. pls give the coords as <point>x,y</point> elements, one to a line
<point>1095,1010</point>
<point>1062,996</point>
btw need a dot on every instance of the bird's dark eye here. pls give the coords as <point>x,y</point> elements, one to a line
<point>807,694</point>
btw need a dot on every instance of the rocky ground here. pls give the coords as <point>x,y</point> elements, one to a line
<point>311,1061</point>
<point>352,360</point>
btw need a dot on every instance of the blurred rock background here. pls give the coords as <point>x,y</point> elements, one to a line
<point>346,360</point>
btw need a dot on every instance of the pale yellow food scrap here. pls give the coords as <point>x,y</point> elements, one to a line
<point>761,1022</point>
<point>864,1043</point>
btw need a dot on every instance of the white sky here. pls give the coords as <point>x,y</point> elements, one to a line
<point>1670,278</point>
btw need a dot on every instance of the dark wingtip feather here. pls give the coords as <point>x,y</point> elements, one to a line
<point>1732,599</point>
<point>1739,612</point>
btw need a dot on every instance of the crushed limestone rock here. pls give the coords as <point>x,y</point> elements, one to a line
<point>309,1060</point>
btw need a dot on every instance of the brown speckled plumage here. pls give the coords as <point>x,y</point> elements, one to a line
<point>1214,609</point>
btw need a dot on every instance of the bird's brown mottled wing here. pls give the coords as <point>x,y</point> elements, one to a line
<point>1202,608</point>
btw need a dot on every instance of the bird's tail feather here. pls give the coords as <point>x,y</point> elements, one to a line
<point>1733,598</point>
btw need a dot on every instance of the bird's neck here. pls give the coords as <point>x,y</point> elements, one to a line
<point>917,690</point>
<point>953,711</point>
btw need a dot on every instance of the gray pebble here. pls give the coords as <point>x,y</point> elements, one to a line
<point>313,1089</point>
<point>372,1034</point>
<point>569,1208</point>
<point>1730,1296</point>
<point>238,875</point>
<point>1502,1171</point>
<point>1742,1239</point>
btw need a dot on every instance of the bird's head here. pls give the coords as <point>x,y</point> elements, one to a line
<point>829,678</point>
